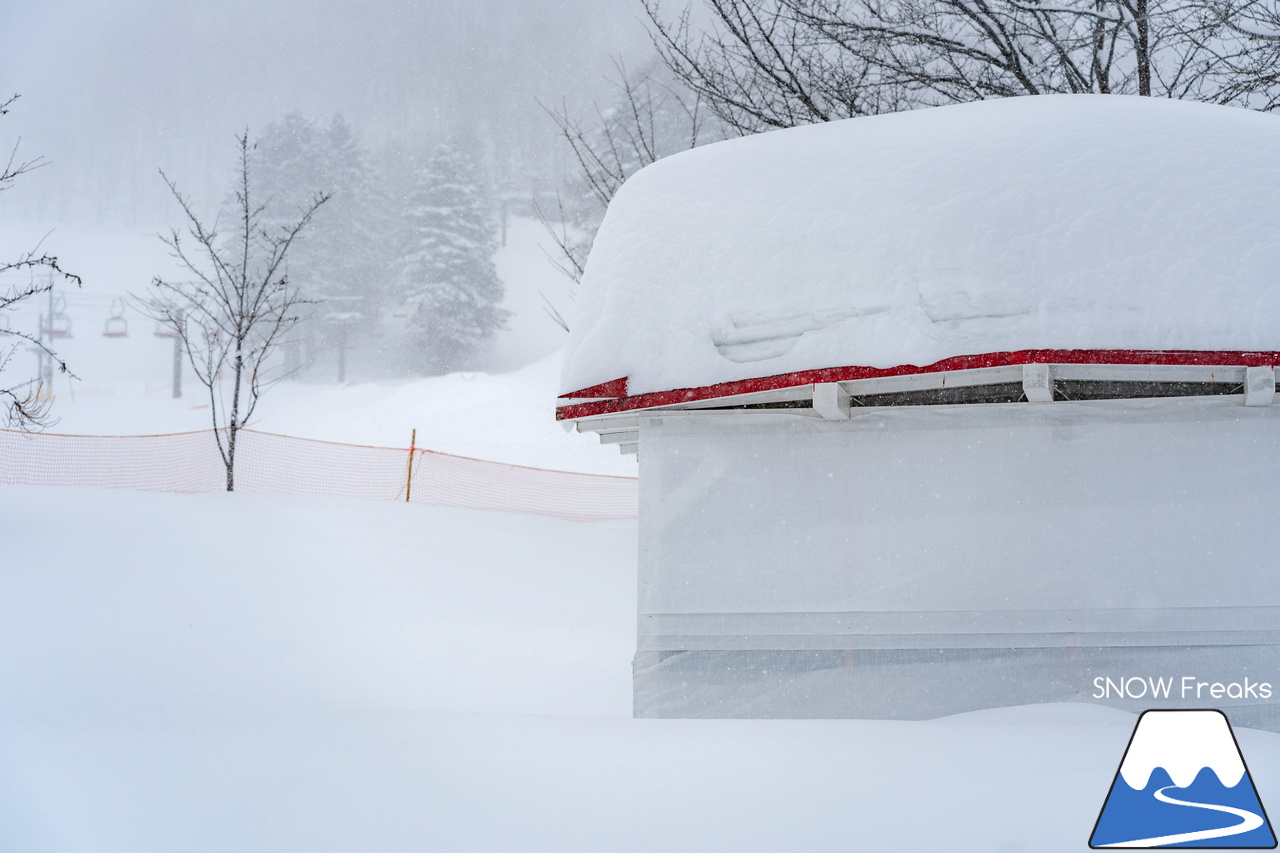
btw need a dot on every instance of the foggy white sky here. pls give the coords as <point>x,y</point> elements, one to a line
<point>114,89</point>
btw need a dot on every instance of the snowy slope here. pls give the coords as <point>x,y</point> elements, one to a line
<point>267,673</point>
<point>531,282</point>
<point>506,417</point>
<point>1064,221</point>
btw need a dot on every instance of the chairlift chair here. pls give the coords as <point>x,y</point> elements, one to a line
<point>58,326</point>
<point>116,326</point>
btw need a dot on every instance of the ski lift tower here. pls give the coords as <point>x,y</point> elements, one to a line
<point>341,317</point>
<point>951,409</point>
<point>174,332</point>
<point>53,325</point>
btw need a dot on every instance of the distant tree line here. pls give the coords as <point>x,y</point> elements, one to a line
<point>399,270</point>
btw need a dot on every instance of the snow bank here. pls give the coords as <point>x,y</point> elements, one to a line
<point>280,673</point>
<point>1057,222</point>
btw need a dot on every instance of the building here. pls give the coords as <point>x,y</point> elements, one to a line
<point>948,410</point>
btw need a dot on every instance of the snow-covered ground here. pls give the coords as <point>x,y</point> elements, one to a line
<point>269,673</point>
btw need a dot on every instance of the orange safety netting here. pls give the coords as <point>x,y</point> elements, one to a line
<point>265,462</point>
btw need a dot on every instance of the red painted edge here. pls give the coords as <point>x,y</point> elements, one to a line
<point>616,388</point>
<point>623,403</point>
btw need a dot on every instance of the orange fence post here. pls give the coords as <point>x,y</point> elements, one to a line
<point>408,483</point>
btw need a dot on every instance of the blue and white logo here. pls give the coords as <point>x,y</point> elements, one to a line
<point>1183,783</point>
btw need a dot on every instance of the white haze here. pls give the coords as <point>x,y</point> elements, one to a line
<point>113,91</point>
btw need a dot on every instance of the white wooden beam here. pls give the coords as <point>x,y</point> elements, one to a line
<point>831,401</point>
<point>608,423</point>
<point>1037,383</point>
<point>1259,386</point>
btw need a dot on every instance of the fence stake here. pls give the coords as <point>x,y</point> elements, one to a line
<point>408,483</point>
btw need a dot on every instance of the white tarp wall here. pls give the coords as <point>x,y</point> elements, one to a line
<point>919,561</point>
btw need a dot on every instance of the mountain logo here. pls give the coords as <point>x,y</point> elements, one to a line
<point>1183,783</point>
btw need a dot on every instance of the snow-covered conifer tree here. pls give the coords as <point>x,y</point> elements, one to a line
<point>352,245</point>
<point>447,278</point>
<point>288,164</point>
<point>343,263</point>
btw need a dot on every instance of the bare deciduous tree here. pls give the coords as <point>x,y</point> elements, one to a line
<point>239,306</point>
<point>653,115</point>
<point>778,63</point>
<point>572,245</point>
<point>761,65</point>
<point>23,404</point>
<point>1256,24</point>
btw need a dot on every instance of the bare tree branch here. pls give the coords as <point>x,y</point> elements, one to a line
<point>652,116</point>
<point>778,63</point>
<point>27,404</point>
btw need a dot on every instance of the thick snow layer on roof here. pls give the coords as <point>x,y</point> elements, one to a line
<point>1051,222</point>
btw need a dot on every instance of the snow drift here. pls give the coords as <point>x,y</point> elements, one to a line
<point>221,672</point>
<point>1052,222</point>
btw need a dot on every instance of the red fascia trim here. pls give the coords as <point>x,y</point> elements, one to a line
<point>609,390</point>
<point>623,403</point>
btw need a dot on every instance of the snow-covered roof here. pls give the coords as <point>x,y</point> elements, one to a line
<point>1064,222</point>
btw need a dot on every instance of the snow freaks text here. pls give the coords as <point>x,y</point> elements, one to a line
<point>1184,687</point>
